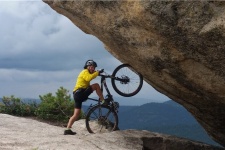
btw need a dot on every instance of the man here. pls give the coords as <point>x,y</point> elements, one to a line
<point>82,90</point>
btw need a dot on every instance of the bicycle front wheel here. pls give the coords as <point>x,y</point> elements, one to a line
<point>101,119</point>
<point>126,82</point>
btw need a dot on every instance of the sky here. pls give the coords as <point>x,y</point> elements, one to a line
<point>41,50</point>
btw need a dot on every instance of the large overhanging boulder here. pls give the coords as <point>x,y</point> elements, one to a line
<point>179,48</point>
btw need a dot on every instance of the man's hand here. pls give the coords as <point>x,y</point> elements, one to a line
<point>101,71</point>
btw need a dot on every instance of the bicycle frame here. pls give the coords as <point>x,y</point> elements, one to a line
<point>102,86</point>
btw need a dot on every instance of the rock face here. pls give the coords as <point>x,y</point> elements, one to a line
<point>179,48</point>
<point>20,133</point>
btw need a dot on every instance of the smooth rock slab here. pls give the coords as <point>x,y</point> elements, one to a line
<point>17,133</point>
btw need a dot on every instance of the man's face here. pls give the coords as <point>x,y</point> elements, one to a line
<point>91,69</point>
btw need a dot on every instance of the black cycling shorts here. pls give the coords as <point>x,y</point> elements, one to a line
<point>80,95</point>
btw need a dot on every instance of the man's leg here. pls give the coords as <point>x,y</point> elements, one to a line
<point>96,87</point>
<point>75,116</point>
<point>72,119</point>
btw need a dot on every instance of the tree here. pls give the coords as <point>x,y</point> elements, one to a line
<point>14,106</point>
<point>56,108</point>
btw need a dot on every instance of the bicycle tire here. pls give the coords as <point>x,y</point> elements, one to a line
<point>130,88</point>
<point>101,123</point>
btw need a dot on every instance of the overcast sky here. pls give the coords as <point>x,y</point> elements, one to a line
<point>41,50</point>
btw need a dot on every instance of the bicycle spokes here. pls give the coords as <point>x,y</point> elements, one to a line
<point>126,82</point>
<point>106,122</point>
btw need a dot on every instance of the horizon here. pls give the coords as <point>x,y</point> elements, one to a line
<point>121,100</point>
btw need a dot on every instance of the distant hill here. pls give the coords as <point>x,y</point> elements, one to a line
<point>168,117</point>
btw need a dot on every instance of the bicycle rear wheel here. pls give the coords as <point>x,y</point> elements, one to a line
<point>101,119</point>
<point>129,82</point>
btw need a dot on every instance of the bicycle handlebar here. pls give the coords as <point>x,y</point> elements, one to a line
<point>106,75</point>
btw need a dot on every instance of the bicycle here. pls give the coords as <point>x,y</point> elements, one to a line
<point>101,118</point>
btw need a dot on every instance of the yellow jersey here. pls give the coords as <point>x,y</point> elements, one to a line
<point>84,78</point>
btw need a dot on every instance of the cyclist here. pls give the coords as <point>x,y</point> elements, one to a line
<point>83,89</point>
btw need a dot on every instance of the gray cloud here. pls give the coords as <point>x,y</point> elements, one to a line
<point>36,40</point>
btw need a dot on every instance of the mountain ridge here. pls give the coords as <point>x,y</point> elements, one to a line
<point>168,118</point>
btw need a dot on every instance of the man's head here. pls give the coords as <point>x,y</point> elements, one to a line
<point>90,65</point>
